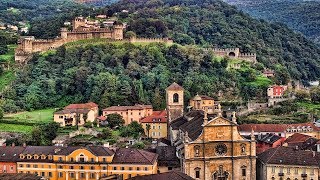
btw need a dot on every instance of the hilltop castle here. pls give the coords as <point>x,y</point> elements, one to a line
<point>82,29</point>
<point>234,53</point>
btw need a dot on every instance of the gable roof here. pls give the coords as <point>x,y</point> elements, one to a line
<point>297,137</point>
<point>10,153</point>
<point>156,117</point>
<point>204,97</point>
<point>126,108</point>
<point>172,175</point>
<point>174,87</point>
<point>95,150</point>
<point>269,138</point>
<point>70,111</point>
<point>275,127</point>
<point>134,156</point>
<point>289,156</point>
<point>88,105</point>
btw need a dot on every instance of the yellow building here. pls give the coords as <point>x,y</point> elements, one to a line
<point>130,113</point>
<point>157,123</point>
<point>87,163</point>
<point>87,112</point>
<point>201,102</point>
<point>288,163</point>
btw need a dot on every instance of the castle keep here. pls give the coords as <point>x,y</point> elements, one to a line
<point>82,29</point>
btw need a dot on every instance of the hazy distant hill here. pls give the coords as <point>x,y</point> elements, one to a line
<point>300,15</point>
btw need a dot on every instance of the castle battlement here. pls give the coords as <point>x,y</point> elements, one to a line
<point>247,55</point>
<point>150,40</point>
<point>233,53</point>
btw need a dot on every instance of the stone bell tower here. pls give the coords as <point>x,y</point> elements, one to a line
<point>175,102</point>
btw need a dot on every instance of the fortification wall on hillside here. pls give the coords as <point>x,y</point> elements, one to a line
<point>150,40</point>
<point>233,53</point>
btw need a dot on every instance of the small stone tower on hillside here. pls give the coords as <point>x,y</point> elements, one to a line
<point>175,102</point>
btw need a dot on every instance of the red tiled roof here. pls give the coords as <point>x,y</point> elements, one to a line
<point>289,156</point>
<point>172,175</point>
<point>134,156</point>
<point>274,127</point>
<point>102,118</point>
<point>88,105</point>
<point>297,137</point>
<point>203,97</point>
<point>10,154</point>
<point>175,87</point>
<point>125,108</point>
<point>263,127</point>
<point>155,116</point>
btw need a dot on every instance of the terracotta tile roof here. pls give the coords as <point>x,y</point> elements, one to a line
<point>46,150</point>
<point>289,156</point>
<point>172,175</point>
<point>70,111</point>
<point>134,156</point>
<point>156,117</point>
<point>126,108</point>
<point>96,150</point>
<point>203,97</point>
<point>19,177</point>
<point>297,137</point>
<point>88,105</point>
<point>102,118</point>
<point>175,87</point>
<point>275,127</point>
<point>10,154</point>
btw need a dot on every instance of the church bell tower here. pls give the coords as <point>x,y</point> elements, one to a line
<point>175,102</point>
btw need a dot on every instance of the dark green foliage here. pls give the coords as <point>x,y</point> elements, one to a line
<point>214,23</point>
<point>1,113</point>
<point>106,133</point>
<point>44,134</point>
<point>122,75</point>
<point>115,120</point>
<point>134,129</point>
<point>300,15</point>
<point>315,94</point>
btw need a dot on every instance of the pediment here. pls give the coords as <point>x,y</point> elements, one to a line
<point>218,121</point>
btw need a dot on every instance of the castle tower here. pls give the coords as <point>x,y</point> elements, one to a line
<point>78,22</point>
<point>64,33</point>
<point>118,31</point>
<point>175,103</point>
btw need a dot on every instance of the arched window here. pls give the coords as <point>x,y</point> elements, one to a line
<point>232,54</point>
<point>176,98</point>
<point>197,172</point>
<point>196,151</point>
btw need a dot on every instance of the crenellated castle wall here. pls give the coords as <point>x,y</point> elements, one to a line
<point>233,53</point>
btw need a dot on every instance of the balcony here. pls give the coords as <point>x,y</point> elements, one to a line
<point>304,175</point>
<point>281,174</point>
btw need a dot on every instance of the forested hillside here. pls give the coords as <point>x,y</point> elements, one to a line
<point>215,23</point>
<point>125,74</point>
<point>300,15</point>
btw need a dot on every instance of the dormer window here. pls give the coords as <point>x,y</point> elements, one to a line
<point>50,157</point>
<point>29,156</point>
<point>22,156</point>
<point>43,156</point>
<point>36,156</point>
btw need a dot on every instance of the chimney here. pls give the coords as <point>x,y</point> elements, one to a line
<point>13,144</point>
<point>220,111</point>
<point>24,145</point>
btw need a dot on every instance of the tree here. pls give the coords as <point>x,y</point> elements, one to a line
<point>130,34</point>
<point>1,113</point>
<point>106,133</point>
<point>302,95</point>
<point>315,94</point>
<point>115,120</point>
<point>148,127</point>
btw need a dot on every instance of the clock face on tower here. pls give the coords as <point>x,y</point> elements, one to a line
<point>221,149</point>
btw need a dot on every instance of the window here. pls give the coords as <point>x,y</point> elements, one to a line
<point>114,168</point>
<point>129,175</point>
<point>296,170</point>
<point>82,175</point>
<point>197,172</point>
<point>60,159</point>
<point>20,165</point>
<point>169,168</point>
<point>72,175</point>
<point>104,159</point>
<point>11,168</point>
<point>28,165</point>
<point>312,171</point>
<point>159,134</point>
<point>92,167</point>
<point>81,167</point>
<point>35,166</point>
<point>288,170</point>
<point>60,174</point>
<point>138,168</point>
<point>42,174</point>
<point>244,171</point>
<point>122,168</point>
<point>50,174</point>
<point>159,127</point>
<point>146,168</point>
<point>81,158</point>
<point>104,168</point>
<point>273,169</point>
<point>243,149</point>
<point>71,167</point>
<point>71,159</point>
<point>281,170</point>
<point>175,98</point>
<point>92,176</point>
<point>60,167</point>
<point>153,127</point>
<point>92,159</point>
<point>130,168</point>
<point>61,117</point>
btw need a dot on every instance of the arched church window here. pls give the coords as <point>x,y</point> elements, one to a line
<point>197,172</point>
<point>176,98</point>
<point>244,170</point>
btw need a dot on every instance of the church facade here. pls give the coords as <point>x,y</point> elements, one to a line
<point>210,147</point>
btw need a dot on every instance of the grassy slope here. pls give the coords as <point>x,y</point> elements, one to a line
<point>8,76</point>
<point>15,128</point>
<point>39,116</point>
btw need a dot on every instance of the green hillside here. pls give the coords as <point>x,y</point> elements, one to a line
<point>302,16</point>
<point>215,23</point>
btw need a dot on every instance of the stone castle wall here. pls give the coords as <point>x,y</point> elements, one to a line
<point>233,53</point>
